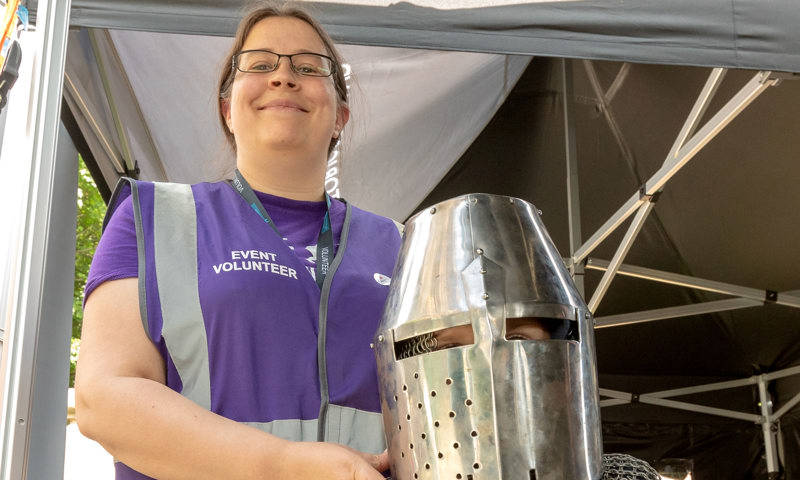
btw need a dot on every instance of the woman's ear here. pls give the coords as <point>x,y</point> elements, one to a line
<point>225,108</point>
<point>342,116</point>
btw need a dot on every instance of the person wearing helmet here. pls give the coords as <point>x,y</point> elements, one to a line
<point>485,353</point>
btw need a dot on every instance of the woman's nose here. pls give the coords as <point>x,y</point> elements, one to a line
<point>283,75</point>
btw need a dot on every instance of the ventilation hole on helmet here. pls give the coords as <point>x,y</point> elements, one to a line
<point>468,402</point>
<point>411,446</point>
<point>436,423</point>
<point>419,405</point>
<point>469,476</point>
<point>395,398</point>
<point>399,427</point>
<point>458,475</point>
<point>402,454</point>
<point>416,476</point>
<point>416,375</point>
<point>427,466</point>
<point>476,466</point>
<point>474,433</point>
<point>533,474</point>
<point>405,388</point>
<point>441,455</point>
<point>452,414</point>
<point>456,445</point>
<point>423,435</point>
<point>408,416</point>
<point>433,393</point>
<point>449,381</point>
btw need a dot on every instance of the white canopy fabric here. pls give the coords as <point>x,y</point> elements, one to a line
<point>408,107</point>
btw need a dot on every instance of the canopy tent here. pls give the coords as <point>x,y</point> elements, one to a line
<point>741,34</point>
<point>734,34</point>
<point>719,229</point>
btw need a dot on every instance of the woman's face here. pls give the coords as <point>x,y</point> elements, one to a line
<point>282,110</point>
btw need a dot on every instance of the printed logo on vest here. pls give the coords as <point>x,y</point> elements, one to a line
<point>382,279</point>
<point>254,260</point>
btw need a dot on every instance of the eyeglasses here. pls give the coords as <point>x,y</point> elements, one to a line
<point>264,61</point>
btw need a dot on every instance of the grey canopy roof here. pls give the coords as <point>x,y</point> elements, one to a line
<point>747,34</point>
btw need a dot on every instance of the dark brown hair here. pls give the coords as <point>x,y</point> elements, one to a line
<point>257,13</point>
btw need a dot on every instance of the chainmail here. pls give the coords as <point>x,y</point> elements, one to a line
<point>418,345</point>
<point>617,466</point>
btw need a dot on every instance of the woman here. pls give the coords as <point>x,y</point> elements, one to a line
<point>227,326</point>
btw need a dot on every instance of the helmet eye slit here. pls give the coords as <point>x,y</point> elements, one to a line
<point>517,329</point>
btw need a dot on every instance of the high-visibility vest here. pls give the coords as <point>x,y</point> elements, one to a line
<point>245,330</point>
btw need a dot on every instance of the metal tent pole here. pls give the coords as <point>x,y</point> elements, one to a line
<point>37,307</point>
<point>788,299</point>
<point>767,419</point>
<point>571,156</point>
<point>646,200</point>
<point>625,397</point>
<point>127,157</point>
<point>769,429</point>
<point>675,312</point>
<point>623,249</point>
<point>108,60</point>
<point>691,407</point>
<point>760,82</point>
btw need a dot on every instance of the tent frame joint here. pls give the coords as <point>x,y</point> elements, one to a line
<point>770,296</point>
<point>775,78</point>
<point>648,197</point>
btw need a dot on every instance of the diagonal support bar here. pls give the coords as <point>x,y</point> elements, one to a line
<point>786,372</point>
<point>786,407</point>
<point>619,255</point>
<point>622,75</point>
<point>611,119</point>
<point>760,82</point>
<point>744,97</point>
<point>783,298</point>
<point>72,93</point>
<point>698,110</point>
<point>675,312</point>
<point>767,419</point>
<point>721,412</point>
<point>708,387</point>
<point>127,156</point>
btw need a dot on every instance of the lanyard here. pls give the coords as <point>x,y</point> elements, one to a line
<point>324,241</point>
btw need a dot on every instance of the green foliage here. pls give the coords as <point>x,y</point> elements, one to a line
<point>91,210</point>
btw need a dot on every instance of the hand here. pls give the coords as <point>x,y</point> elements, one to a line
<point>329,461</point>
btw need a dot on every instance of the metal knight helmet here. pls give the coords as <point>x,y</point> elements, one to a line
<point>466,391</point>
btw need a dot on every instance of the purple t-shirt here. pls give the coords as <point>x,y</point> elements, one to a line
<point>298,221</point>
<point>265,328</point>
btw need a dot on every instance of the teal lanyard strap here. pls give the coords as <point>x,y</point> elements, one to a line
<point>324,240</point>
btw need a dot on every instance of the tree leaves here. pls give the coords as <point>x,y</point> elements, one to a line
<point>91,210</point>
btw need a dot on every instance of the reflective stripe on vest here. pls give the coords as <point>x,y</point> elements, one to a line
<point>355,428</point>
<point>175,234</point>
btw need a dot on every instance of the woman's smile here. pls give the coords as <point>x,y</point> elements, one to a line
<point>283,104</point>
